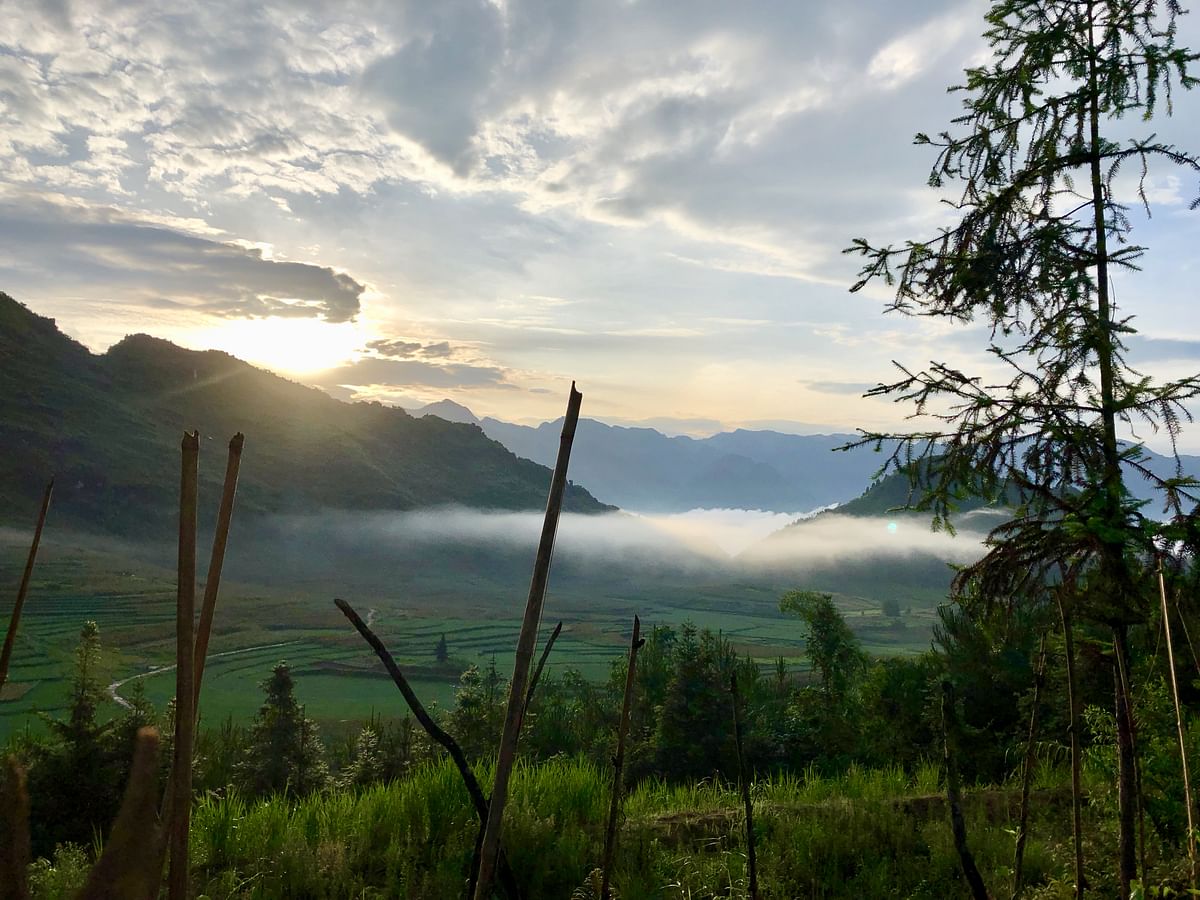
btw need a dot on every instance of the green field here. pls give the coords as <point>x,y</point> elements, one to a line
<point>130,593</point>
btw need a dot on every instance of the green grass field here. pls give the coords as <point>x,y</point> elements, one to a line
<point>131,595</point>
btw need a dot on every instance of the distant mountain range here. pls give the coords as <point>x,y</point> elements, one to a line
<point>645,470</point>
<point>108,427</point>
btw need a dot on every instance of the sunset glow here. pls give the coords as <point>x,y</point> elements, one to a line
<point>288,346</point>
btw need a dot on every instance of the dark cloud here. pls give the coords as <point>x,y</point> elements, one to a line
<point>401,373</point>
<point>156,265</point>
<point>396,348</point>
<point>433,87</point>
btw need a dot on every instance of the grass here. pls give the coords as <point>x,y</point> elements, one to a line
<point>867,833</point>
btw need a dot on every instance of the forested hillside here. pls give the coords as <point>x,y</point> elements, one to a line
<point>107,427</point>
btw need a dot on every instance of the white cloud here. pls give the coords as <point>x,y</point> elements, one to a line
<point>666,167</point>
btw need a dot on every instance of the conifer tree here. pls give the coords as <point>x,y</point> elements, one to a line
<point>285,753</point>
<point>1037,235</point>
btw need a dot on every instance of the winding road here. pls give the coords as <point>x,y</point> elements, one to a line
<point>159,670</point>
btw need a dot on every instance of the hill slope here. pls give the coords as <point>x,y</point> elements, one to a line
<point>108,427</point>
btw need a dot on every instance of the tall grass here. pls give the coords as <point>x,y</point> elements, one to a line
<point>877,833</point>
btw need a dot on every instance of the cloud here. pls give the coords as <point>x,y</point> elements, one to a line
<point>401,373</point>
<point>431,87</point>
<point>395,349</point>
<point>830,538</point>
<point>684,174</point>
<point>51,239</point>
<point>847,388</point>
<point>1143,348</point>
<point>688,539</point>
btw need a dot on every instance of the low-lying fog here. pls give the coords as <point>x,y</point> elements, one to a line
<point>716,534</point>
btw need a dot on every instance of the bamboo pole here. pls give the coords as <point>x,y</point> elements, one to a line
<point>216,563</point>
<point>1039,679</point>
<point>537,673</point>
<point>525,647</point>
<point>434,730</point>
<point>954,798</point>
<point>185,720</point>
<point>614,808</point>
<point>15,621</point>
<point>744,778</point>
<point>1183,760</point>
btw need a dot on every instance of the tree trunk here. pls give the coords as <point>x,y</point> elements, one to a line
<point>1076,754</point>
<point>1126,771</point>
<point>953,796</point>
<point>744,778</point>
<point>1027,771</point>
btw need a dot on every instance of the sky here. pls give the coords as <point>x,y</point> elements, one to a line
<point>484,200</point>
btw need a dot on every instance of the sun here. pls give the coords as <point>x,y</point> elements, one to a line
<point>287,346</point>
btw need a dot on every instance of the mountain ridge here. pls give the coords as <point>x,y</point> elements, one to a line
<point>641,468</point>
<point>107,427</point>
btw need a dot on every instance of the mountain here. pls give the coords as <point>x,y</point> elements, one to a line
<point>108,427</point>
<point>450,411</point>
<point>643,469</point>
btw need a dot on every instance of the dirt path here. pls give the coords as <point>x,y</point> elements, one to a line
<point>159,670</point>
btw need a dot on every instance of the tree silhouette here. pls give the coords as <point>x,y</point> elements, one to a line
<point>1037,235</point>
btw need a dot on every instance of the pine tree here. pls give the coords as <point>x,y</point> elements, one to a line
<point>1037,236</point>
<point>76,777</point>
<point>366,765</point>
<point>285,753</point>
<point>441,652</point>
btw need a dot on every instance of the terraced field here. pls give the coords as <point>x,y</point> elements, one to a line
<point>130,594</point>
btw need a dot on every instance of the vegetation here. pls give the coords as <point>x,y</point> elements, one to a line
<point>309,451</point>
<point>1045,678</point>
<point>1039,234</point>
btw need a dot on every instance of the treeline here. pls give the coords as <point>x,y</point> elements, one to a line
<point>844,709</point>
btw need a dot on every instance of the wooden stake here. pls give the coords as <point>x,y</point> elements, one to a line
<point>216,562</point>
<point>525,646</point>
<point>131,866</point>
<point>14,832</point>
<point>1183,760</point>
<point>23,590</point>
<point>954,797</point>
<point>433,730</point>
<point>614,808</point>
<point>744,778</point>
<point>185,719</point>
<point>1039,679</point>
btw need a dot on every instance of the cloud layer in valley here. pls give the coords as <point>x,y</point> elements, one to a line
<point>713,536</point>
